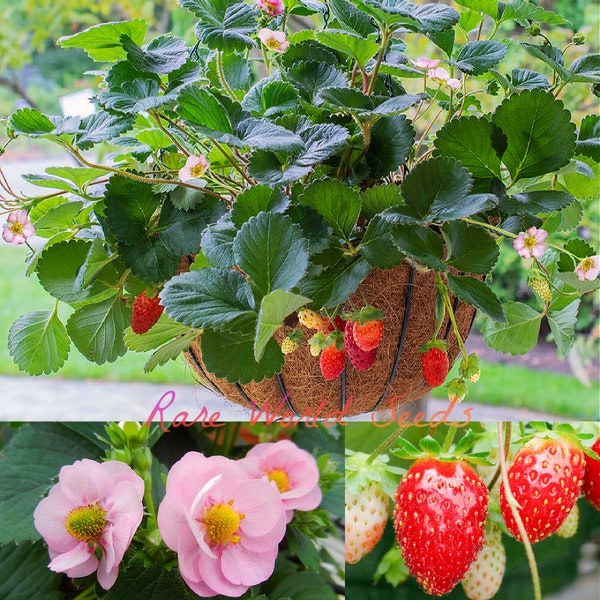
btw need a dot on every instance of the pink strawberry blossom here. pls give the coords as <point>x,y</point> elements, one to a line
<point>531,243</point>
<point>224,525</point>
<point>588,268</point>
<point>194,167</point>
<point>453,83</point>
<point>90,517</point>
<point>273,40</point>
<point>17,228</point>
<point>422,62</point>
<point>275,8</point>
<point>292,470</point>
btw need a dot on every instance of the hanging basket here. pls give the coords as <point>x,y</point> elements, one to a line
<point>408,298</point>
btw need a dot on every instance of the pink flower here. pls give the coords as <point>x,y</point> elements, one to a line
<point>273,40</point>
<point>588,268</point>
<point>531,243</point>
<point>271,7</point>
<point>439,75</point>
<point>292,470</point>
<point>453,83</point>
<point>194,167</point>
<point>425,63</point>
<point>17,228</point>
<point>224,525</point>
<point>93,510</point>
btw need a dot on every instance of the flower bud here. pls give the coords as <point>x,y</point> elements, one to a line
<point>578,39</point>
<point>142,459</point>
<point>457,390</point>
<point>534,29</point>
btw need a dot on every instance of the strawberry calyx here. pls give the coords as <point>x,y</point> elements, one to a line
<point>323,339</point>
<point>364,314</point>
<point>439,344</point>
<point>430,447</point>
<point>360,471</point>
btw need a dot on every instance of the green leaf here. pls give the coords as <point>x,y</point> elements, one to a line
<point>588,139</point>
<point>528,80</point>
<point>353,102</point>
<point>377,199</point>
<point>200,107</point>
<point>270,249</point>
<point>310,77</point>
<point>165,330</point>
<point>181,230</point>
<point>420,243</point>
<point>170,351</point>
<point>80,176</point>
<point>150,260</point>
<point>210,297</point>
<point>519,334</point>
<point>391,142</point>
<point>162,55</point>
<point>470,248</point>
<point>536,202</point>
<point>338,204</point>
<point>351,18</point>
<point>274,308</point>
<point>470,141</point>
<point>134,97</point>
<point>586,69</point>
<point>350,44</point>
<point>551,55</point>
<point>335,284</point>
<point>378,246</point>
<point>38,342</point>
<point>151,582</point>
<point>539,133</point>
<point>237,72</point>
<point>443,40</point>
<point>562,325</point>
<point>476,58</point>
<point>231,355</point>
<point>30,463</point>
<point>217,243</point>
<point>257,199</point>
<point>58,218</point>
<point>102,127</point>
<point>102,42</point>
<point>59,267</point>
<point>520,9</point>
<point>97,329</point>
<point>475,292</point>
<point>488,7</point>
<point>438,190</point>
<point>267,136</point>
<point>269,98</point>
<point>224,25</point>
<point>130,206</point>
<point>24,573</point>
<point>31,122</point>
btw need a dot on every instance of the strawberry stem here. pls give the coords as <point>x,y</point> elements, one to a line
<point>385,445</point>
<point>512,503</point>
<point>449,438</point>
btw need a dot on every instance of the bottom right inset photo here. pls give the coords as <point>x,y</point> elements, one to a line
<point>480,510</point>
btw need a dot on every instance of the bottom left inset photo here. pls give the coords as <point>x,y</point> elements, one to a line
<point>124,510</point>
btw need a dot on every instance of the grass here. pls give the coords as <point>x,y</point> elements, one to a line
<point>499,385</point>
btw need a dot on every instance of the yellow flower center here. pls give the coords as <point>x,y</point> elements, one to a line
<point>16,228</point>
<point>530,242</point>
<point>280,478</point>
<point>198,170</point>
<point>86,523</point>
<point>587,264</point>
<point>272,44</point>
<point>222,522</point>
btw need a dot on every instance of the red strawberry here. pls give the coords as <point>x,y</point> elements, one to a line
<point>366,517</point>
<point>441,508</point>
<point>368,334</point>
<point>545,478</point>
<point>435,364</point>
<point>332,324</point>
<point>145,313</point>
<point>591,479</point>
<point>332,361</point>
<point>360,359</point>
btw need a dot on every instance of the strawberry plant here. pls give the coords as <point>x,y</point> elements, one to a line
<point>264,165</point>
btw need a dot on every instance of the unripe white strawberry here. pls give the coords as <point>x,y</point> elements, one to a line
<point>366,517</point>
<point>484,578</point>
<point>569,526</point>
